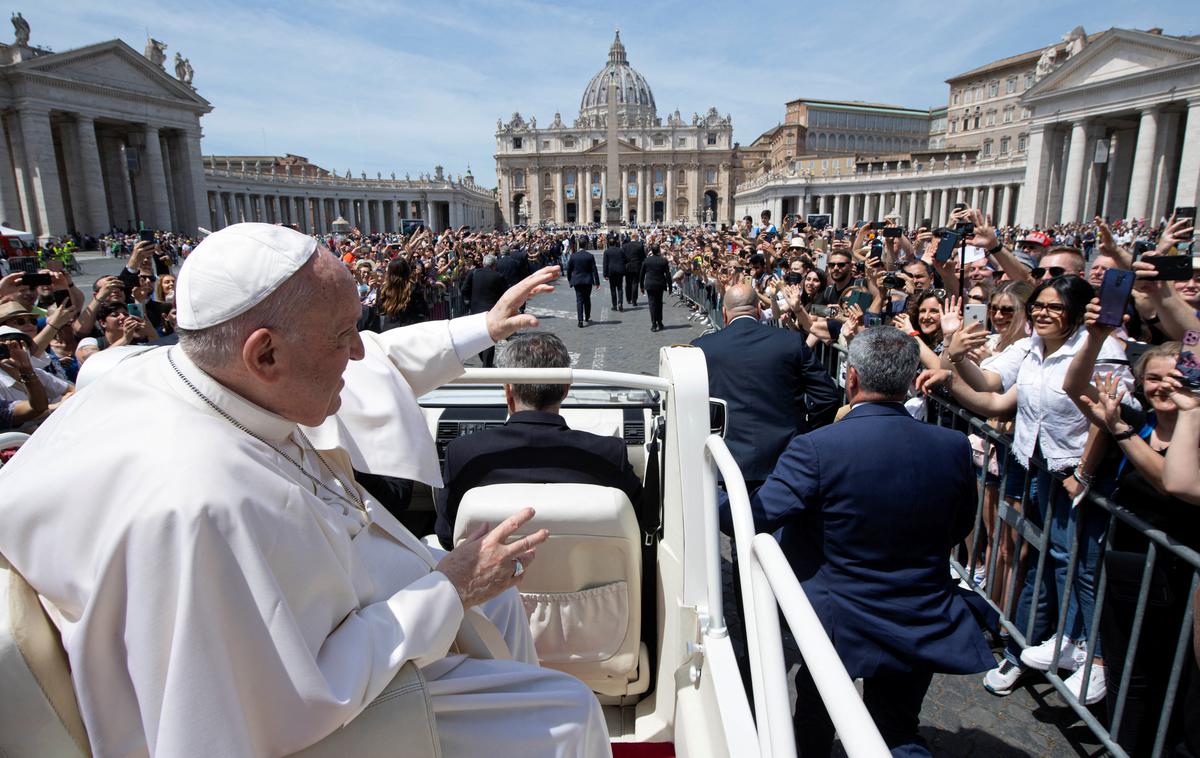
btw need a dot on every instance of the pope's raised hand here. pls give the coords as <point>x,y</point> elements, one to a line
<point>505,318</point>
<point>484,564</point>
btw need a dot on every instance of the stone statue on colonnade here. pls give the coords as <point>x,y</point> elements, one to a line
<point>21,28</point>
<point>155,52</point>
<point>183,69</point>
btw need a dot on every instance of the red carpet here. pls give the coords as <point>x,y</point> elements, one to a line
<point>643,750</point>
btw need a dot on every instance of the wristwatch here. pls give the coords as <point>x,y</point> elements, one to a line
<point>999,246</point>
<point>1128,433</point>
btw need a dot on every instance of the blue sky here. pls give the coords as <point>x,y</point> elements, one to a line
<point>372,85</point>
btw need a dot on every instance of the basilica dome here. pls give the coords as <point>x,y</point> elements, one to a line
<point>634,98</point>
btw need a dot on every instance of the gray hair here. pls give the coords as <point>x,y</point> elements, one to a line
<point>489,261</point>
<point>886,360</point>
<point>536,350</point>
<point>219,346</point>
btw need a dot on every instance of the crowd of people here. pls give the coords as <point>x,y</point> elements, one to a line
<point>1007,322</point>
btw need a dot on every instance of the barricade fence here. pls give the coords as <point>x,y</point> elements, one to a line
<point>1094,571</point>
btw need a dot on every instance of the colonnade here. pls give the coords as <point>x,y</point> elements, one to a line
<point>64,171</point>
<point>913,206</point>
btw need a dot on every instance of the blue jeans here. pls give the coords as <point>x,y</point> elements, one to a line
<point>1047,494</point>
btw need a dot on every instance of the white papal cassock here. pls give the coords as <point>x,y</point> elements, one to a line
<point>214,601</point>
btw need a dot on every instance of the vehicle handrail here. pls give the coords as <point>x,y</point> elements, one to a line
<point>562,376</point>
<point>768,582</point>
<point>846,709</point>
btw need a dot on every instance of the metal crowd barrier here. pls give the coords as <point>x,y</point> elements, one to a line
<point>1154,623</point>
<point>769,586</point>
<point>700,293</point>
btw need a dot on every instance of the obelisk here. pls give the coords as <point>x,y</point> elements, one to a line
<point>614,183</point>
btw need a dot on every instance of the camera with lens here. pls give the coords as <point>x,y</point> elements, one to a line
<point>793,277</point>
<point>893,282</point>
<point>965,228</point>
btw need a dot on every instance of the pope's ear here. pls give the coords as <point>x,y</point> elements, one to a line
<point>261,356</point>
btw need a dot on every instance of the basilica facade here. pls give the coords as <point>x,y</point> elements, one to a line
<point>677,170</point>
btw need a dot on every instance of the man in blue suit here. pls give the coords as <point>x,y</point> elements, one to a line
<point>582,275</point>
<point>773,386</point>
<point>867,511</point>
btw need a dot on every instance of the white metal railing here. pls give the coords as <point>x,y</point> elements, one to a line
<point>563,376</point>
<point>768,583</point>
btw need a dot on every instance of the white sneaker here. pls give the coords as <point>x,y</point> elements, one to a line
<point>1002,679</point>
<point>1096,689</point>
<point>1041,657</point>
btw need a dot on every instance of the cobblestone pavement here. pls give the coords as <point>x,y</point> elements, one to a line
<point>615,340</point>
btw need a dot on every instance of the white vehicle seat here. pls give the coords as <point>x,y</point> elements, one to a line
<point>39,715</point>
<point>38,712</point>
<point>583,593</point>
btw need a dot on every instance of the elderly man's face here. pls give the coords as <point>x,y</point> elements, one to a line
<point>1101,264</point>
<point>978,273</point>
<point>317,349</point>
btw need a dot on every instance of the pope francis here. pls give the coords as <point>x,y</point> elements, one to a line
<point>224,587</point>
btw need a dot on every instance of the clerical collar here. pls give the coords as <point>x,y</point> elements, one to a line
<point>260,421</point>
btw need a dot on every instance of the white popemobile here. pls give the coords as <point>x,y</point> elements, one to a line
<point>634,612</point>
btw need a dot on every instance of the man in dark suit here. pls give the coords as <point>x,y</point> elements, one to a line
<point>535,444</point>
<point>867,511</point>
<point>772,383</point>
<point>656,277</point>
<point>614,271</point>
<point>634,252</point>
<point>582,275</point>
<point>512,265</point>
<point>482,289</point>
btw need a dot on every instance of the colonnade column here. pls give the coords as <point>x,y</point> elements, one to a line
<point>45,202</point>
<point>1164,164</point>
<point>1141,183</point>
<point>1005,206</point>
<point>1031,207</point>
<point>160,208</point>
<point>93,178</point>
<point>1187,192</point>
<point>1073,184</point>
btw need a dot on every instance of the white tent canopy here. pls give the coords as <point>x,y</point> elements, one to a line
<point>7,232</point>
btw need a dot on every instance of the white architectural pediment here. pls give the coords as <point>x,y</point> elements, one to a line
<point>114,65</point>
<point>623,147</point>
<point>1118,53</point>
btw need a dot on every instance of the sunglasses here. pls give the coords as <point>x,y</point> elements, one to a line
<point>1055,272</point>
<point>1005,309</point>
<point>22,321</point>
<point>838,264</point>
<point>1056,309</point>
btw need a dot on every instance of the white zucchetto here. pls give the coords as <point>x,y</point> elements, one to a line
<point>234,269</point>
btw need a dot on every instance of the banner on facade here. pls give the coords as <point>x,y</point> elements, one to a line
<point>633,190</point>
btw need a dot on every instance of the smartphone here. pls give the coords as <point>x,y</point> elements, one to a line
<point>4,352</point>
<point>1186,211</point>
<point>1140,247</point>
<point>135,310</point>
<point>861,299</point>
<point>1189,367</point>
<point>893,231</point>
<point>1114,294</point>
<point>61,296</point>
<point>145,235</point>
<point>1170,268</point>
<point>875,225</point>
<point>946,245</point>
<point>926,223</point>
<point>43,280</point>
<point>960,206</point>
<point>838,234</point>
<point>975,313</point>
<point>162,265</point>
<point>822,311</point>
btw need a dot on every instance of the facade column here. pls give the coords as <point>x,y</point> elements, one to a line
<point>158,215</point>
<point>944,208</point>
<point>583,194</point>
<point>668,194</point>
<point>880,206</point>
<point>912,209</point>
<point>93,178</point>
<point>1187,191</point>
<point>44,191</point>
<point>854,211</point>
<point>1005,206</point>
<point>1032,205</point>
<point>694,190</point>
<point>1073,184</point>
<point>623,184</point>
<point>560,207</point>
<point>1141,190</point>
<point>10,200</point>
<point>1164,164</point>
